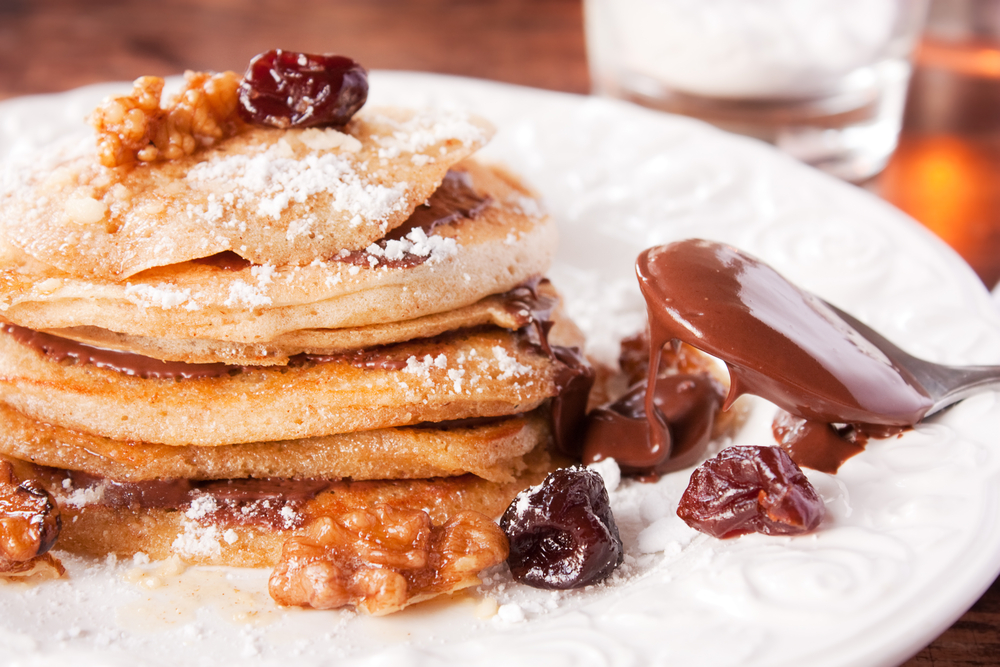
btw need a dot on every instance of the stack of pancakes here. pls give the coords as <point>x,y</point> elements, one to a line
<point>200,356</point>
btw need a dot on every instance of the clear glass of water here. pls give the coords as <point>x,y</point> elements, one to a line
<point>823,80</point>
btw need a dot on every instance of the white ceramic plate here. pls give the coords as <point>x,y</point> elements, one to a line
<point>912,536</point>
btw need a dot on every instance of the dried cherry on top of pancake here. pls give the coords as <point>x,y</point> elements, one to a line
<point>289,89</point>
<point>750,489</point>
<point>562,532</point>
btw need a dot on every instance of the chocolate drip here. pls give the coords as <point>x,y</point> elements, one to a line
<point>533,310</point>
<point>574,374</point>
<point>63,350</point>
<point>822,446</point>
<point>686,403</point>
<point>454,200</point>
<point>574,380</point>
<point>779,342</point>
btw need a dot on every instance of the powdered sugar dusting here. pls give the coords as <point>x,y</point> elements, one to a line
<point>242,293</point>
<point>272,180</point>
<point>509,366</point>
<point>81,497</point>
<point>161,296</point>
<point>197,540</point>
<point>416,242</point>
<point>426,129</point>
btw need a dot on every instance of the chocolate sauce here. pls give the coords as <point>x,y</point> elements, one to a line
<point>63,350</point>
<point>779,342</point>
<point>817,445</point>
<point>533,310</point>
<point>380,358</point>
<point>454,200</point>
<point>272,502</point>
<point>822,446</point>
<point>686,402</point>
<point>574,379</point>
<point>574,375</point>
<point>227,260</point>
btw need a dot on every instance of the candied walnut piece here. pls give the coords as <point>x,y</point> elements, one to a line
<point>562,532</point>
<point>135,127</point>
<point>384,559</point>
<point>29,525</point>
<point>750,489</point>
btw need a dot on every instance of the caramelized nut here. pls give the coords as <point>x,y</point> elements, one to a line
<point>29,524</point>
<point>384,559</point>
<point>135,127</point>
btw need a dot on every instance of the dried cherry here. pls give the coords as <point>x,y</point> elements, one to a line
<point>562,533</point>
<point>750,489</point>
<point>288,89</point>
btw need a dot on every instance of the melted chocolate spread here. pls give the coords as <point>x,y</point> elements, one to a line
<point>686,402</point>
<point>779,342</point>
<point>63,350</point>
<point>272,502</point>
<point>454,200</point>
<point>226,260</point>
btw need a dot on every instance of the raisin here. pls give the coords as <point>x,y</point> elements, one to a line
<point>562,533</point>
<point>288,89</point>
<point>750,489</point>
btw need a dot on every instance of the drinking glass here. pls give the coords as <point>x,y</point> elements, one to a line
<point>823,80</point>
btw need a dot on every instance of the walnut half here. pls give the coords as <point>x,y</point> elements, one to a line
<point>384,559</point>
<point>135,127</point>
<point>29,526</point>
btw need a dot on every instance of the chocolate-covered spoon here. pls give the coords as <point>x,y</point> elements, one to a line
<point>783,344</point>
<point>779,342</point>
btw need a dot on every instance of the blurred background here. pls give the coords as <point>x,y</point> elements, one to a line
<point>945,172</point>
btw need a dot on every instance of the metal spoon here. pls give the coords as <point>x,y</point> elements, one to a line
<point>944,384</point>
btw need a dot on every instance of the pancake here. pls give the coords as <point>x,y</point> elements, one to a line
<point>500,310</point>
<point>462,375</point>
<point>271,196</point>
<point>220,532</point>
<point>506,243</point>
<point>493,450</point>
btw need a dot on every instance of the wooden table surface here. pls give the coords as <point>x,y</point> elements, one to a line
<point>946,173</point>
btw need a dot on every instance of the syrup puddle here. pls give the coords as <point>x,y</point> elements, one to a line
<point>173,594</point>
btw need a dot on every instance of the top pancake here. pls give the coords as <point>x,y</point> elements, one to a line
<point>277,197</point>
<point>467,259</point>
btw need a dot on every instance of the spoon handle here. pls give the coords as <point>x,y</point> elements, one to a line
<point>958,382</point>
